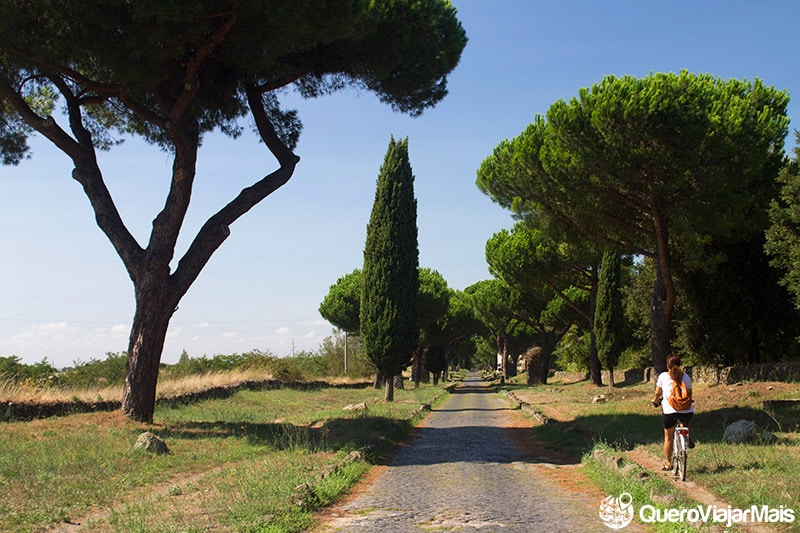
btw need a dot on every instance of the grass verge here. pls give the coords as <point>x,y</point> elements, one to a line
<point>743,475</point>
<point>234,464</point>
<point>625,477</point>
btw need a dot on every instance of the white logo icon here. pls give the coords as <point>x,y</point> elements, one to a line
<point>617,513</point>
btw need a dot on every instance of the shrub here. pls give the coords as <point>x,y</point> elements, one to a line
<point>95,372</point>
<point>12,368</point>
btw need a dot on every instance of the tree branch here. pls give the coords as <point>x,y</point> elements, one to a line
<point>217,228</point>
<point>48,127</point>
<point>82,135</point>
<point>86,171</point>
<point>190,81</point>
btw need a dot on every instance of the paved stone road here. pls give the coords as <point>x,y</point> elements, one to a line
<point>461,473</point>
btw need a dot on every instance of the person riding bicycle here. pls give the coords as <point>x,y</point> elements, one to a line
<point>671,416</point>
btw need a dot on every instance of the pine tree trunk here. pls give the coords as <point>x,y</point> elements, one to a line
<point>659,335</point>
<point>425,368</point>
<point>389,397</point>
<point>149,330</point>
<point>416,366</point>
<point>663,300</point>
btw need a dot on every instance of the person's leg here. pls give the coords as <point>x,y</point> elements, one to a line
<point>669,435</point>
<point>686,419</point>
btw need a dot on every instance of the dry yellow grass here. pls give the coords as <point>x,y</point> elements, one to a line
<point>11,391</point>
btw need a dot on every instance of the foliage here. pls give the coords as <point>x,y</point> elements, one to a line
<point>572,353</point>
<point>193,366</point>
<point>95,372</point>
<point>455,330</point>
<point>12,368</point>
<point>173,71</point>
<point>390,275</point>
<point>737,313</point>
<point>341,305</point>
<point>783,236</point>
<point>319,49</point>
<point>542,260</point>
<point>433,298</point>
<point>331,353</point>
<point>484,353</point>
<point>609,318</point>
<point>326,362</point>
<point>493,304</point>
<point>660,166</point>
<point>636,296</point>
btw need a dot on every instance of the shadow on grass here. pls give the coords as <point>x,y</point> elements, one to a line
<point>334,435</point>
<point>555,442</point>
<point>626,431</point>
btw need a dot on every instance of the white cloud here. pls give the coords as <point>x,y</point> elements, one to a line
<point>64,343</point>
<point>174,333</point>
<point>46,334</point>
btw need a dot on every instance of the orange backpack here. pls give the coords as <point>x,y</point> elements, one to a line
<point>679,397</point>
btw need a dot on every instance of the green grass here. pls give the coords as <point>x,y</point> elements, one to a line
<point>234,463</point>
<point>645,490</point>
<point>740,474</point>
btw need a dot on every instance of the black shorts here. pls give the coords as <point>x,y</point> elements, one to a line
<point>671,420</point>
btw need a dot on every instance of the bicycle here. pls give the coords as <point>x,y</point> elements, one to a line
<point>680,451</point>
<point>680,448</point>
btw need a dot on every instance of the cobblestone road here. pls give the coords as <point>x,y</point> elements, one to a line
<point>462,473</point>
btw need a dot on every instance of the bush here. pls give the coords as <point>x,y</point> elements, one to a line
<point>331,357</point>
<point>197,366</point>
<point>13,369</point>
<point>286,369</point>
<point>572,353</point>
<point>95,372</point>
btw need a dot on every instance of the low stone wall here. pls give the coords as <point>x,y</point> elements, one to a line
<point>785,372</point>
<point>725,375</point>
<point>631,375</point>
<point>21,411</point>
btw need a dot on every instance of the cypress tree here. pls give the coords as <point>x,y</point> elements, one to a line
<point>390,276</point>
<point>609,318</point>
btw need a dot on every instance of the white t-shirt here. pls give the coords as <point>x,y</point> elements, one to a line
<point>665,382</point>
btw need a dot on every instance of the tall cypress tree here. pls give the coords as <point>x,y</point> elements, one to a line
<point>389,329</point>
<point>609,318</point>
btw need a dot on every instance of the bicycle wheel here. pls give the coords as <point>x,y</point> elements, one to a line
<point>679,456</point>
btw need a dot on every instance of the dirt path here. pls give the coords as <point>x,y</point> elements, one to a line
<point>471,468</point>
<point>692,489</point>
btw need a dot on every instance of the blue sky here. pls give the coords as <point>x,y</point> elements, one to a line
<point>65,296</point>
